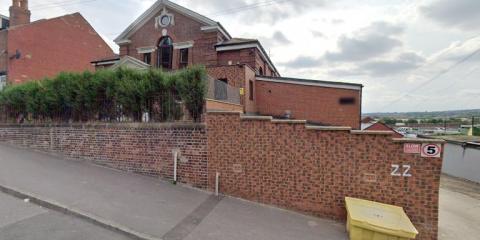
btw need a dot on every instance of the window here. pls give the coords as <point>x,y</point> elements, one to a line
<point>183,58</point>
<point>3,80</point>
<point>221,88</point>
<point>347,101</point>
<point>260,71</point>
<point>165,53</point>
<point>250,90</point>
<point>147,58</point>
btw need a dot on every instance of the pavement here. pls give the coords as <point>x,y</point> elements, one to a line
<point>104,202</point>
<point>459,209</point>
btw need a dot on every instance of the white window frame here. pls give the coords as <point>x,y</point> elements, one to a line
<point>3,81</point>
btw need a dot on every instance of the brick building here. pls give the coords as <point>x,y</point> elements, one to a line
<point>172,37</point>
<point>44,48</point>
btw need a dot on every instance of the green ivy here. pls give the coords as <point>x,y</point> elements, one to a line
<point>107,94</point>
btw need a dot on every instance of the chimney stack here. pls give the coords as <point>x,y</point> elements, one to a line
<point>19,13</point>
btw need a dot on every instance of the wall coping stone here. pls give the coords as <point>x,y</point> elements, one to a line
<point>362,132</point>
<point>187,125</point>
<point>328,128</point>
<point>223,112</point>
<point>261,118</point>
<point>289,121</point>
<point>418,140</point>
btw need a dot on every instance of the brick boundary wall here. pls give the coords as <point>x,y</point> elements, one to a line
<point>140,148</point>
<point>312,169</point>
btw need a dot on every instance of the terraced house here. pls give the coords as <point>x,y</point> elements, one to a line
<point>244,78</point>
<point>44,48</point>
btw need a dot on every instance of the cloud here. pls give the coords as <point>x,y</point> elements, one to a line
<point>279,37</point>
<point>373,41</point>
<point>400,64</point>
<point>463,14</point>
<point>403,63</point>
<point>303,62</point>
<point>264,11</point>
<point>318,34</point>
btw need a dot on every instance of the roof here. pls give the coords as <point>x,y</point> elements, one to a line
<point>156,7</point>
<point>114,57</point>
<point>39,43</point>
<point>310,82</point>
<point>245,43</point>
<point>3,16</point>
<point>234,41</point>
<point>131,62</point>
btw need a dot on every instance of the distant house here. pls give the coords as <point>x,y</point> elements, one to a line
<point>370,124</point>
<point>44,48</point>
<point>171,37</point>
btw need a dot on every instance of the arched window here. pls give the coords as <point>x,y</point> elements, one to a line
<point>165,53</point>
<point>260,71</point>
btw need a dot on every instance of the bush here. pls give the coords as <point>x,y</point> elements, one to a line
<point>108,95</point>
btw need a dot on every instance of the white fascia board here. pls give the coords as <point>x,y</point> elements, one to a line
<point>150,49</point>
<point>123,42</point>
<point>156,7</point>
<point>105,63</point>
<point>319,84</point>
<point>244,46</point>
<point>215,28</point>
<point>183,45</point>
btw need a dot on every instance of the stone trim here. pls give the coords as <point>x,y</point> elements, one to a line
<point>328,128</point>
<point>360,132</point>
<point>260,118</point>
<point>222,112</point>
<point>289,121</point>
<point>418,140</point>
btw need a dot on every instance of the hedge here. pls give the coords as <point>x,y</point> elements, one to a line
<point>108,95</point>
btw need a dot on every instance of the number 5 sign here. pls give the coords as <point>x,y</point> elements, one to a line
<point>431,150</point>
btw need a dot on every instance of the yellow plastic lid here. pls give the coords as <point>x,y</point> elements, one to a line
<point>380,217</point>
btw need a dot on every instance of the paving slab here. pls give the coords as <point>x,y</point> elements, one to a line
<point>13,210</point>
<point>144,204</point>
<point>237,219</point>
<point>459,216</point>
<point>21,219</point>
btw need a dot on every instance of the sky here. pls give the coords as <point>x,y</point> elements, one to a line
<point>410,55</point>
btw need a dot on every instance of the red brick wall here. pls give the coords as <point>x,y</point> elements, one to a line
<point>316,104</point>
<point>140,148</point>
<point>312,171</point>
<point>48,47</point>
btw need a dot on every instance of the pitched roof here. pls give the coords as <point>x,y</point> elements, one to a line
<point>114,57</point>
<point>243,43</point>
<point>156,7</point>
<point>47,47</point>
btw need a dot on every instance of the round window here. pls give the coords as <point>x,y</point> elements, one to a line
<point>165,20</point>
